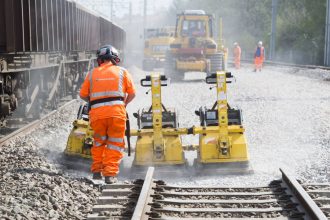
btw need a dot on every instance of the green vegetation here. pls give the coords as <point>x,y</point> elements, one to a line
<point>300,25</point>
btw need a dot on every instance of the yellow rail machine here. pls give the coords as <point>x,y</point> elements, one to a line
<point>221,141</point>
<point>80,139</point>
<point>157,43</point>
<point>158,141</point>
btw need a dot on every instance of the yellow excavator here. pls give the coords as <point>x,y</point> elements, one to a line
<point>222,144</point>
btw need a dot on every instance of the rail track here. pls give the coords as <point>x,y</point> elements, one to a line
<point>155,200</point>
<point>283,64</point>
<point>27,126</point>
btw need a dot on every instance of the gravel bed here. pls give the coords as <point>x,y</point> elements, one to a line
<point>31,184</point>
<point>286,114</point>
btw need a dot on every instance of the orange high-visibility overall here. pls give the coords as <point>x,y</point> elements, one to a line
<point>259,58</point>
<point>107,86</point>
<point>237,57</point>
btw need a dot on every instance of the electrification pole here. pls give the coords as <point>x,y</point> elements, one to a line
<point>111,9</point>
<point>327,36</point>
<point>273,33</point>
<point>130,12</point>
<point>145,14</point>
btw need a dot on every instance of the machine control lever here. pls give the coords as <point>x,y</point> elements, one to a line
<point>146,82</point>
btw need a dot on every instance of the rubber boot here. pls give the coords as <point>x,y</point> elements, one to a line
<point>110,179</point>
<point>97,176</point>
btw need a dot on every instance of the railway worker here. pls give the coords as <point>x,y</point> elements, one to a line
<point>259,57</point>
<point>237,55</point>
<point>108,89</point>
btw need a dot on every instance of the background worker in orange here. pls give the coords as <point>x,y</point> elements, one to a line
<point>259,57</point>
<point>108,89</point>
<point>237,55</point>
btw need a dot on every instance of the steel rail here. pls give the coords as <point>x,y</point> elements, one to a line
<point>29,127</point>
<point>231,61</point>
<point>304,199</point>
<point>141,207</point>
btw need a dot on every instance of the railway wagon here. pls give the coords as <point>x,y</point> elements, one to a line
<point>46,47</point>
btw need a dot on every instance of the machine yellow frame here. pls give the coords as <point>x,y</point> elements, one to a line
<point>221,44</point>
<point>222,143</point>
<point>152,146</point>
<point>80,140</point>
<point>218,144</point>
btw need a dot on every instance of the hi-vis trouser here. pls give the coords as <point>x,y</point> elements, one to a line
<point>258,61</point>
<point>237,61</point>
<point>109,145</point>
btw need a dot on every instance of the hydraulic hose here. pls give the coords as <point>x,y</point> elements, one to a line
<point>128,134</point>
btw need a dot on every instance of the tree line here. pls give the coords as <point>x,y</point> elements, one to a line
<point>300,25</point>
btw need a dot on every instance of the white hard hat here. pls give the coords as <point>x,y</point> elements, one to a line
<point>235,44</point>
<point>260,43</point>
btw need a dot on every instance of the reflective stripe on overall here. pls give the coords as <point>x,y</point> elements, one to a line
<point>110,139</point>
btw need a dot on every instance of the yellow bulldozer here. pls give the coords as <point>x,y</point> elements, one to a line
<point>157,42</point>
<point>194,47</point>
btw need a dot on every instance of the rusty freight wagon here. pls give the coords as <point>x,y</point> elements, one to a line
<point>46,47</point>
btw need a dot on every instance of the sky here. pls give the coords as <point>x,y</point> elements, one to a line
<point>121,7</point>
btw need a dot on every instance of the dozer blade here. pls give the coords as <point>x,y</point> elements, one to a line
<point>229,168</point>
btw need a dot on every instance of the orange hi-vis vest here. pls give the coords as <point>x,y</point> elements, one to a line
<point>107,86</point>
<point>106,82</point>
